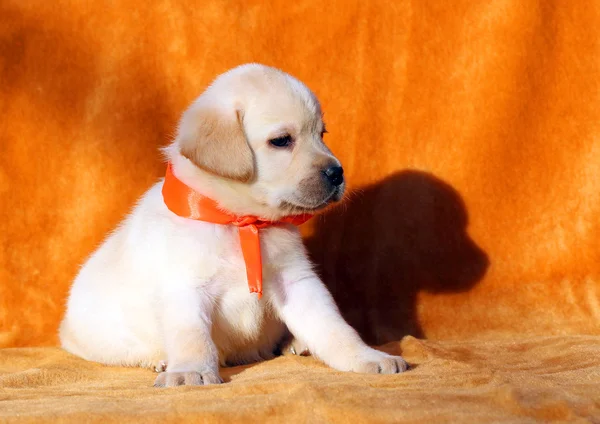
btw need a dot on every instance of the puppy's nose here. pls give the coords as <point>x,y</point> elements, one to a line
<point>335,175</point>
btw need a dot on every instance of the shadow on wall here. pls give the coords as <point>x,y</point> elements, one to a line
<point>394,239</point>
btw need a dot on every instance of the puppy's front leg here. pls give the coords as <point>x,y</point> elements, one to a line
<point>310,313</point>
<point>191,354</point>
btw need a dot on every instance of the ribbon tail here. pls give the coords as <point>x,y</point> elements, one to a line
<point>250,243</point>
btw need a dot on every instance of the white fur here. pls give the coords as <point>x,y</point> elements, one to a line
<point>162,287</point>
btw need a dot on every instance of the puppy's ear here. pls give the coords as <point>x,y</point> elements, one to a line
<point>214,140</point>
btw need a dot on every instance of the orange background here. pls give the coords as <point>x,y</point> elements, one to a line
<point>469,131</point>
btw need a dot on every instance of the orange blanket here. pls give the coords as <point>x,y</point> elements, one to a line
<point>469,132</point>
<point>541,379</point>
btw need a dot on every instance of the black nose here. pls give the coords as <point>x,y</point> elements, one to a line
<point>335,175</point>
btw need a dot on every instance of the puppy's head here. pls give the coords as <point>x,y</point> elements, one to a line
<point>258,133</point>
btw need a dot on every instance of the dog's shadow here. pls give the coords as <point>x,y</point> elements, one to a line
<point>391,240</point>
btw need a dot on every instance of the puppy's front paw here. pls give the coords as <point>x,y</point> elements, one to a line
<point>187,378</point>
<point>375,362</point>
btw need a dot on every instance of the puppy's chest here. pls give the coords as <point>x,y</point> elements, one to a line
<point>239,311</point>
<point>229,267</point>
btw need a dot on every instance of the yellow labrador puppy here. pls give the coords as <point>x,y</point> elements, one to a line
<point>171,292</point>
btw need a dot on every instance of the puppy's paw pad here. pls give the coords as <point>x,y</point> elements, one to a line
<point>187,378</point>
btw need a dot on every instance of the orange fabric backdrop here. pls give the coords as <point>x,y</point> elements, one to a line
<point>469,132</point>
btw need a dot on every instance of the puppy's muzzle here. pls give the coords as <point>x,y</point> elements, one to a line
<point>334,175</point>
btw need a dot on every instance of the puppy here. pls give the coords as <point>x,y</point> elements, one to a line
<point>172,292</point>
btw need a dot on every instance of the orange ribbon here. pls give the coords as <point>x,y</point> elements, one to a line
<point>187,203</point>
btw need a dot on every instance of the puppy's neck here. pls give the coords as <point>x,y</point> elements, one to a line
<point>233,196</point>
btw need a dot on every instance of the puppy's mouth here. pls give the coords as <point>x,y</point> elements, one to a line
<point>297,207</point>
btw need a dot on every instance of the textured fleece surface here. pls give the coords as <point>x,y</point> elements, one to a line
<point>469,133</point>
<point>542,379</point>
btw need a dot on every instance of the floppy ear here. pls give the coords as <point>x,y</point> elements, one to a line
<point>214,140</point>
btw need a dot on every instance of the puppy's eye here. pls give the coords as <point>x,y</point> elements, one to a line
<point>283,141</point>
